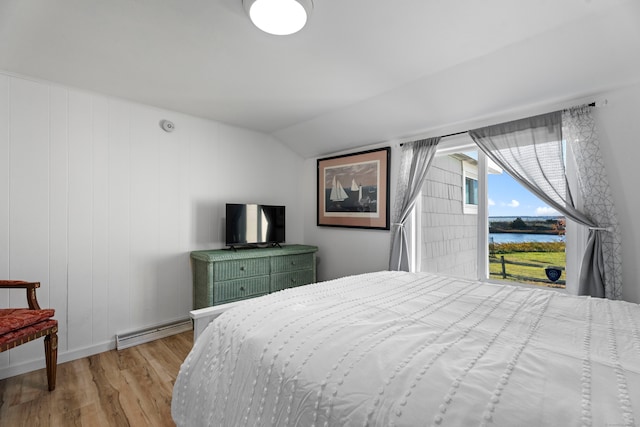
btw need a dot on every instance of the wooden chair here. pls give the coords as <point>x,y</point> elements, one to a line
<point>21,325</point>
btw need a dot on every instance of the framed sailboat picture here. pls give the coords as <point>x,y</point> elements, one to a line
<point>353,190</point>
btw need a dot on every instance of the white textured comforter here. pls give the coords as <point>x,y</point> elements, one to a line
<point>404,349</point>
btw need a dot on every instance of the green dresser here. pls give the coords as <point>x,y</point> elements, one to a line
<point>222,276</point>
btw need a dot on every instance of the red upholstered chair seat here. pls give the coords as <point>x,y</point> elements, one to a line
<point>21,325</point>
<point>16,318</point>
<point>29,333</point>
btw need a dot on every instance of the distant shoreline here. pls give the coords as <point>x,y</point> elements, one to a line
<point>525,218</point>
<point>547,225</point>
<point>511,231</point>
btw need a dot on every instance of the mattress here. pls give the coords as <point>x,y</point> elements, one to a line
<point>414,349</point>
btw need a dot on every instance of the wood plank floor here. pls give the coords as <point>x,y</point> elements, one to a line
<point>131,387</point>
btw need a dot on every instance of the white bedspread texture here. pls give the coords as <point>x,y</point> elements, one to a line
<point>405,349</point>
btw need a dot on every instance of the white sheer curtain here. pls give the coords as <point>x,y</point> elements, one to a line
<point>531,151</point>
<point>414,164</point>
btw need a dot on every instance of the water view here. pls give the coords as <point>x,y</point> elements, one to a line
<point>523,237</point>
<point>526,229</point>
<point>528,250</point>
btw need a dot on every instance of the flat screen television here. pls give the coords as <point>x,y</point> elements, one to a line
<point>254,224</point>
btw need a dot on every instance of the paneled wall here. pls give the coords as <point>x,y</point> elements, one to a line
<point>102,207</point>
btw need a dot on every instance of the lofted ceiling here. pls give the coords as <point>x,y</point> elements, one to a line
<point>361,72</point>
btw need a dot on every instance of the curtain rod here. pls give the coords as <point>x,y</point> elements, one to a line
<point>593,104</point>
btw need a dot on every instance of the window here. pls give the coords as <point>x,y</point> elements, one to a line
<point>452,230</point>
<point>470,185</point>
<point>471,191</point>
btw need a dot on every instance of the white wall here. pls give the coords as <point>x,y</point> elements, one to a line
<point>102,207</point>
<point>347,251</point>
<point>619,129</point>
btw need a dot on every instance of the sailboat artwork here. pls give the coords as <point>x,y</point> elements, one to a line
<point>337,191</point>
<point>353,190</point>
<point>359,197</point>
<point>356,187</point>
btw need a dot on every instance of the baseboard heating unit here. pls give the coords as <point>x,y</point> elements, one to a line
<point>131,339</point>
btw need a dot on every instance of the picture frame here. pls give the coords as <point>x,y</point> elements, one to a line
<point>353,190</point>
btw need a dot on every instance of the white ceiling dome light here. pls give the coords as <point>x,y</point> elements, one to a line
<point>279,17</point>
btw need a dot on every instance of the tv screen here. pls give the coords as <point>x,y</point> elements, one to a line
<point>253,224</point>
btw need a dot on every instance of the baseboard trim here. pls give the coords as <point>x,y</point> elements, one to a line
<point>78,353</point>
<point>153,333</point>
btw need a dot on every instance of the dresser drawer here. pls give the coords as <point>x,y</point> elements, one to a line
<point>233,290</point>
<point>280,281</point>
<point>241,268</point>
<point>221,276</point>
<point>291,263</point>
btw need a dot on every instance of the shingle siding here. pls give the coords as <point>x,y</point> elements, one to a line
<point>449,237</point>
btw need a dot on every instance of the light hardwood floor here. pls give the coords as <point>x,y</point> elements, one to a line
<point>130,387</point>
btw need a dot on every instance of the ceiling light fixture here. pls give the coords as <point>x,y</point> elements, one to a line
<point>278,17</point>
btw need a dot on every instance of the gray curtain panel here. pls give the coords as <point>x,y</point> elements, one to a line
<point>415,160</point>
<point>531,151</point>
<point>579,131</point>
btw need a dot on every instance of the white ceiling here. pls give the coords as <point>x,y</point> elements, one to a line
<point>361,72</point>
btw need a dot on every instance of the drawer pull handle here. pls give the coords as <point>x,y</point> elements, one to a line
<point>293,263</point>
<point>242,268</point>
<point>241,288</point>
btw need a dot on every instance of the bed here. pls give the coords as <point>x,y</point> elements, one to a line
<point>414,349</point>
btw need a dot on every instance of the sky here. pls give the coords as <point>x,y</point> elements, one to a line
<point>508,198</point>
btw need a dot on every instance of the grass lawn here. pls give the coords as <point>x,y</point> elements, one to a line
<point>520,273</point>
